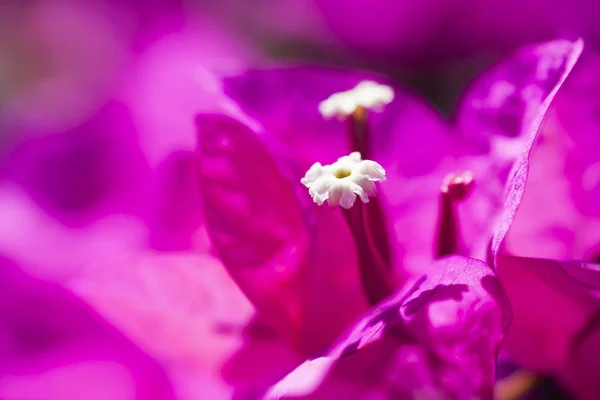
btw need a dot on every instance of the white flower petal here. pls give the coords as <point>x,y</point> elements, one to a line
<point>340,182</point>
<point>367,94</point>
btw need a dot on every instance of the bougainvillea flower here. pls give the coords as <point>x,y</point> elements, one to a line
<point>327,290</point>
<point>308,268</point>
<point>276,251</point>
<point>319,378</point>
<point>548,258</point>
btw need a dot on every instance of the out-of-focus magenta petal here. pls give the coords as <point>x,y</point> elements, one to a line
<point>203,329</point>
<point>176,221</point>
<point>552,302</point>
<point>172,80</point>
<point>555,311</point>
<point>436,338</point>
<point>93,169</point>
<point>53,346</point>
<point>436,29</point>
<point>253,216</point>
<point>48,248</point>
<point>286,103</point>
<point>175,78</point>
<point>558,217</point>
<point>127,150</point>
<point>290,263</point>
<point>62,59</point>
<point>383,26</point>
<point>580,374</point>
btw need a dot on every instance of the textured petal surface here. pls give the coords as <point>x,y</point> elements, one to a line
<point>558,217</point>
<point>495,119</point>
<point>499,106</point>
<point>437,338</point>
<point>562,57</point>
<point>555,304</point>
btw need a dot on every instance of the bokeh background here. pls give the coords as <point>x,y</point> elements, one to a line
<point>433,46</point>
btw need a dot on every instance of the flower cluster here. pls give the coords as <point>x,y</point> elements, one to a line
<point>167,238</point>
<point>428,262</point>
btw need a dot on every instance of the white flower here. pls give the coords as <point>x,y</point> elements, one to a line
<point>367,94</point>
<point>340,182</point>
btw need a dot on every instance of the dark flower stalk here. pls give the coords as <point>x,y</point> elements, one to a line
<point>374,274</point>
<point>354,105</point>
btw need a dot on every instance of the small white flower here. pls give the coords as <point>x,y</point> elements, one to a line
<point>340,182</point>
<point>367,94</point>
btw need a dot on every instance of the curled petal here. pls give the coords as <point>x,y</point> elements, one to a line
<point>562,57</point>
<point>436,338</point>
<point>558,217</point>
<point>498,109</point>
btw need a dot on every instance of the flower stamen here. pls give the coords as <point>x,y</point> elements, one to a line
<point>339,184</point>
<point>364,96</point>
<point>342,173</point>
<point>356,103</point>
<point>455,188</point>
<point>353,107</point>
